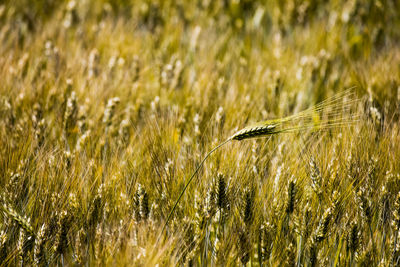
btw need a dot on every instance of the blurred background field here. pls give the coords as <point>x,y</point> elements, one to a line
<point>107,107</point>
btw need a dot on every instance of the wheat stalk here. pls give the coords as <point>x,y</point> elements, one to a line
<point>322,116</point>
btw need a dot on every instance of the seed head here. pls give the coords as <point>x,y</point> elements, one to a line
<point>323,226</point>
<point>253,132</point>
<point>71,113</point>
<point>109,111</point>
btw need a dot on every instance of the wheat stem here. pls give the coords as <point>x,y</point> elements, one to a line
<point>190,180</point>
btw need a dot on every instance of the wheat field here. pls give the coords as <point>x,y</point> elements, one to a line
<point>107,107</point>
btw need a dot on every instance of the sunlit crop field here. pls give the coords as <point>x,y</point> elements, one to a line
<point>108,107</point>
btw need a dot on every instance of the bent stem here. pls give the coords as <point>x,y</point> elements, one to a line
<point>190,180</point>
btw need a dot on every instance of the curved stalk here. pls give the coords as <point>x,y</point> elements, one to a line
<point>190,180</point>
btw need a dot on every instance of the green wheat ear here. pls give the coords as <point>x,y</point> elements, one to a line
<point>330,113</point>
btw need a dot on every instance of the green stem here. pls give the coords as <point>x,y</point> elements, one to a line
<point>190,180</point>
<point>372,241</point>
<point>299,251</point>
<point>394,250</point>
